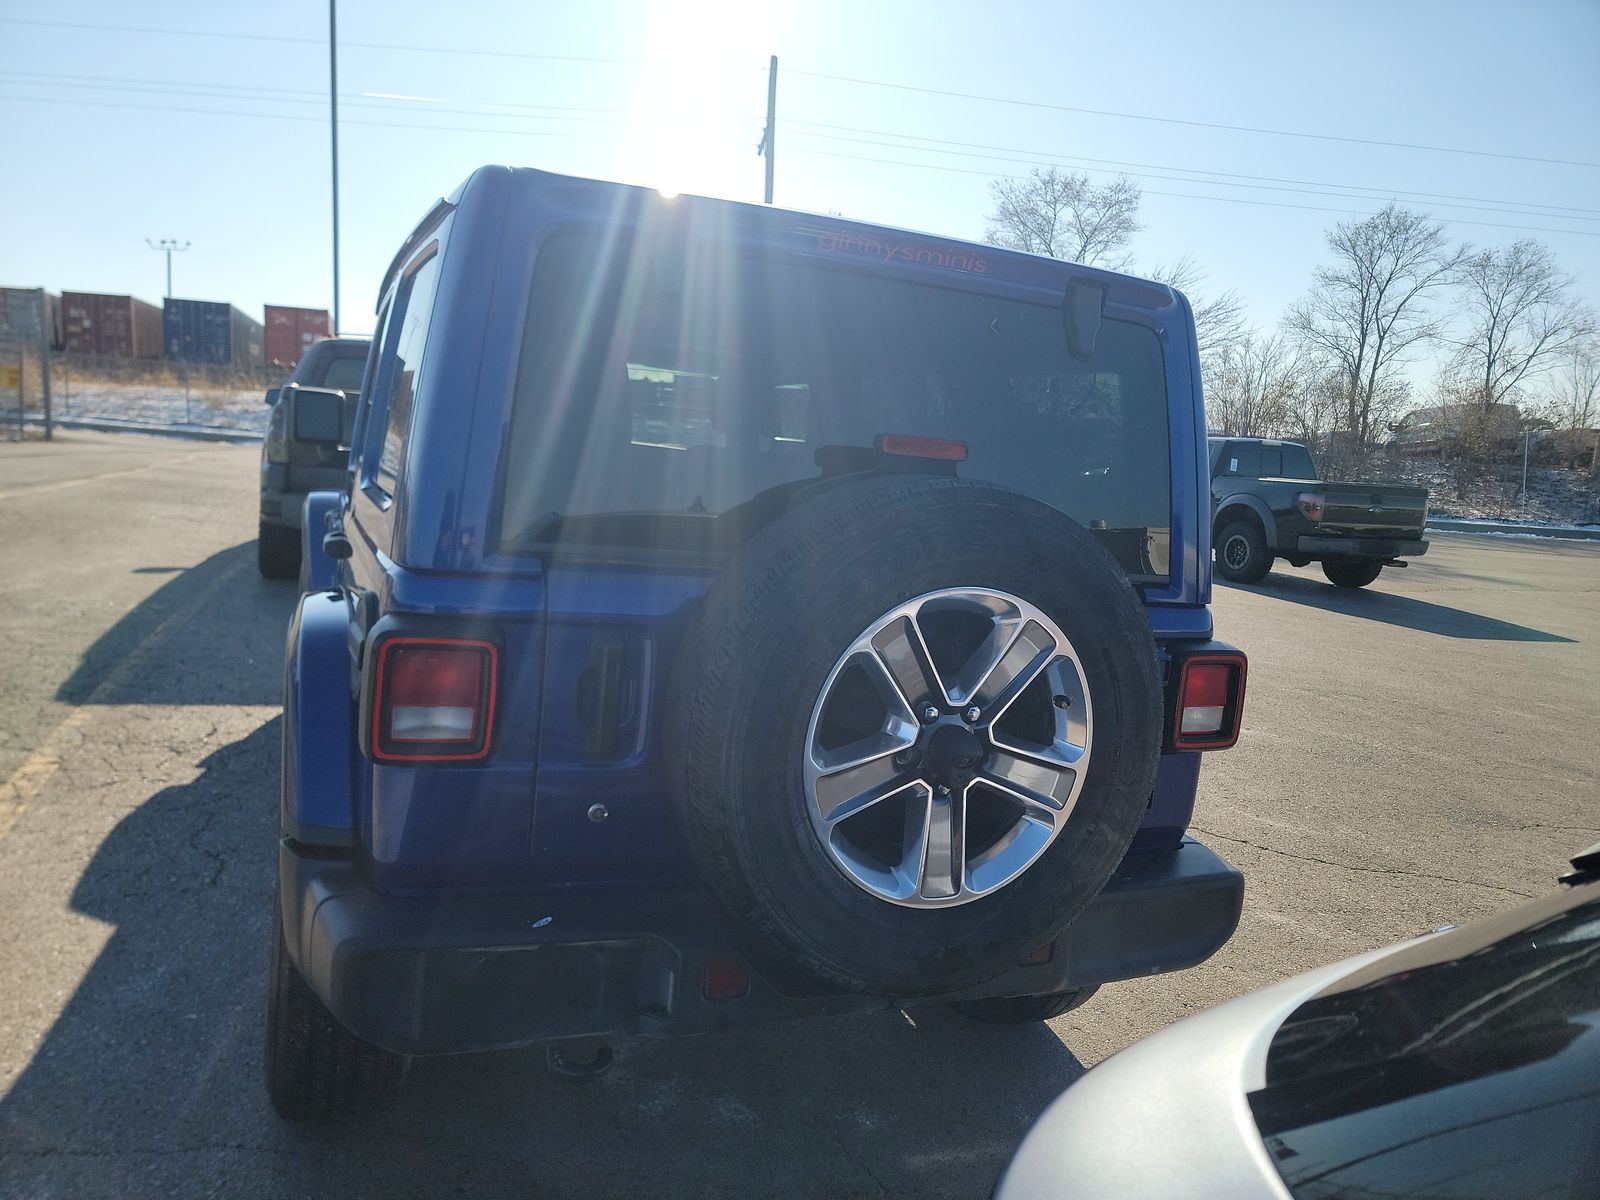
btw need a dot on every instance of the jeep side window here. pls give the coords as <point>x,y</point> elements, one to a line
<point>416,311</point>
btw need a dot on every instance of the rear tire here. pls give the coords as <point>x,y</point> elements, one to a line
<point>1351,573</point>
<point>316,1068</point>
<point>277,552</point>
<point>1241,553</point>
<point>1024,1010</point>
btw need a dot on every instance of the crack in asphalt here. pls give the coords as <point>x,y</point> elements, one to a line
<point>1328,862</point>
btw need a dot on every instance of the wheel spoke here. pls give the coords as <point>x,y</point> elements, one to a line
<point>1042,787</point>
<point>902,657</point>
<point>942,855</point>
<point>845,790</point>
<point>1028,654</point>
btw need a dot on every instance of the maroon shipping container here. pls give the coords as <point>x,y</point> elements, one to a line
<point>291,330</point>
<point>116,326</point>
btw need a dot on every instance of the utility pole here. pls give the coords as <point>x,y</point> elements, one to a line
<point>769,138</point>
<point>333,105</point>
<point>169,247</point>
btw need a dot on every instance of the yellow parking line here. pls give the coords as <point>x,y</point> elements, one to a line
<point>28,780</point>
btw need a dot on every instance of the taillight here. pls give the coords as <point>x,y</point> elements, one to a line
<point>1210,702</point>
<point>1313,504</point>
<point>922,447</point>
<point>277,441</point>
<point>433,700</point>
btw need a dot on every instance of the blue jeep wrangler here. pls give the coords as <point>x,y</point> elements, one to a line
<point>734,614</point>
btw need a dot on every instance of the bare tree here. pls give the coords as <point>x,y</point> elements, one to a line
<point>1218,319</point>
<point>1520,318</point>
<point>1066,215</point>
<point>1368,309</point>
<point>1249,384</point>
<point>1575,396</point>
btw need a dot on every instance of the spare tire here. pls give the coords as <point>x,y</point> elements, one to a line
<point>914,728</point>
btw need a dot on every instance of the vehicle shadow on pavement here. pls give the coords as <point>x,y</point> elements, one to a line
<point>203,637</point>
<point>1393,609</point>
<point>150,1082</point>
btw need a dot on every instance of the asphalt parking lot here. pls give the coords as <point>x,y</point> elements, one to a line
<point>1418,753</point>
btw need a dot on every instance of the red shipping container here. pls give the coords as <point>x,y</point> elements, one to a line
<point>291,330</point>
<point>113,326</point>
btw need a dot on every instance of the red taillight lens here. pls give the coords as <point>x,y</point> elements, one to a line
<point>434,700</point>
<point>922,447</point>
<point>1210,702</point>
<point>726,979</point>
<point>1313,504</point>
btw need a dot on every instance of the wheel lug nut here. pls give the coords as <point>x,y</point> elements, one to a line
<point>1062,701</point>
<point>930,713</point>
<point>902,758</point>
<point>972,714</point>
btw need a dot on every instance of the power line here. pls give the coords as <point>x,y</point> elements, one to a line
<point>1099,112</point>
<point>1516,212</point>
<point>1361,187</point>
<point>304,41</point>
<point>288,95</point>
<point>212,112</point>
<point>1354,212</point>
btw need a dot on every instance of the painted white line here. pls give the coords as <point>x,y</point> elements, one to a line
<point>69,483</point>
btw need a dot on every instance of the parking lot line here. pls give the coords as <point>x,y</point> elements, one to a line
<point>70,483</point>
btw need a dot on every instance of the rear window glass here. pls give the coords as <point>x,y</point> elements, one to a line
<point>1285,462</point>
<point>344,373</point>
<point>659,391</point>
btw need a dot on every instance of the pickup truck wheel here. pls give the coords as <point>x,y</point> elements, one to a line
<point>316,1068</point>
<point>277,551</point>
<point>1241,553</point>
<point>914,728</point>
<point>1351,572</point>
<point>1023,1010</point>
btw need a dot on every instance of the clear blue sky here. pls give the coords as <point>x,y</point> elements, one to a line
<point>113,135</point>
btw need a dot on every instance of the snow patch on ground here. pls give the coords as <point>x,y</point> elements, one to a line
<point>163,404</point>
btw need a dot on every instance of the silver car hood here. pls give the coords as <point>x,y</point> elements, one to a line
<point>1168,1116</point>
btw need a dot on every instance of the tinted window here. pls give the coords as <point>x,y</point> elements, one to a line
<point>657,391</point>
<point>1297,463</point>
<point>1244,458</point>
<point>412,340</point>
<point>344,372</point>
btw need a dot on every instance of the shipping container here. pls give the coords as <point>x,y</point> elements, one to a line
<point>113,326</point>
<point>211,331</point>
<point>291,330</point>
<point>19,316</point>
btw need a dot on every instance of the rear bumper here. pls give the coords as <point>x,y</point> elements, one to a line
<point>1361,547</point>
<point>437,976</point>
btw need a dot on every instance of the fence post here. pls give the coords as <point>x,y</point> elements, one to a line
<point>44,363</point>
<point>22,393</point>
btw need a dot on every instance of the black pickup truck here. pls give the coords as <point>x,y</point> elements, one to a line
<point>1267,502</point>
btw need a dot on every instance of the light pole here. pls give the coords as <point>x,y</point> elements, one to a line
<point>169,247</point>
<point>333,107</point>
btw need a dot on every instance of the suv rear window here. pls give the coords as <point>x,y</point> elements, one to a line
<point>659,390</point>
<point>344,372</point>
